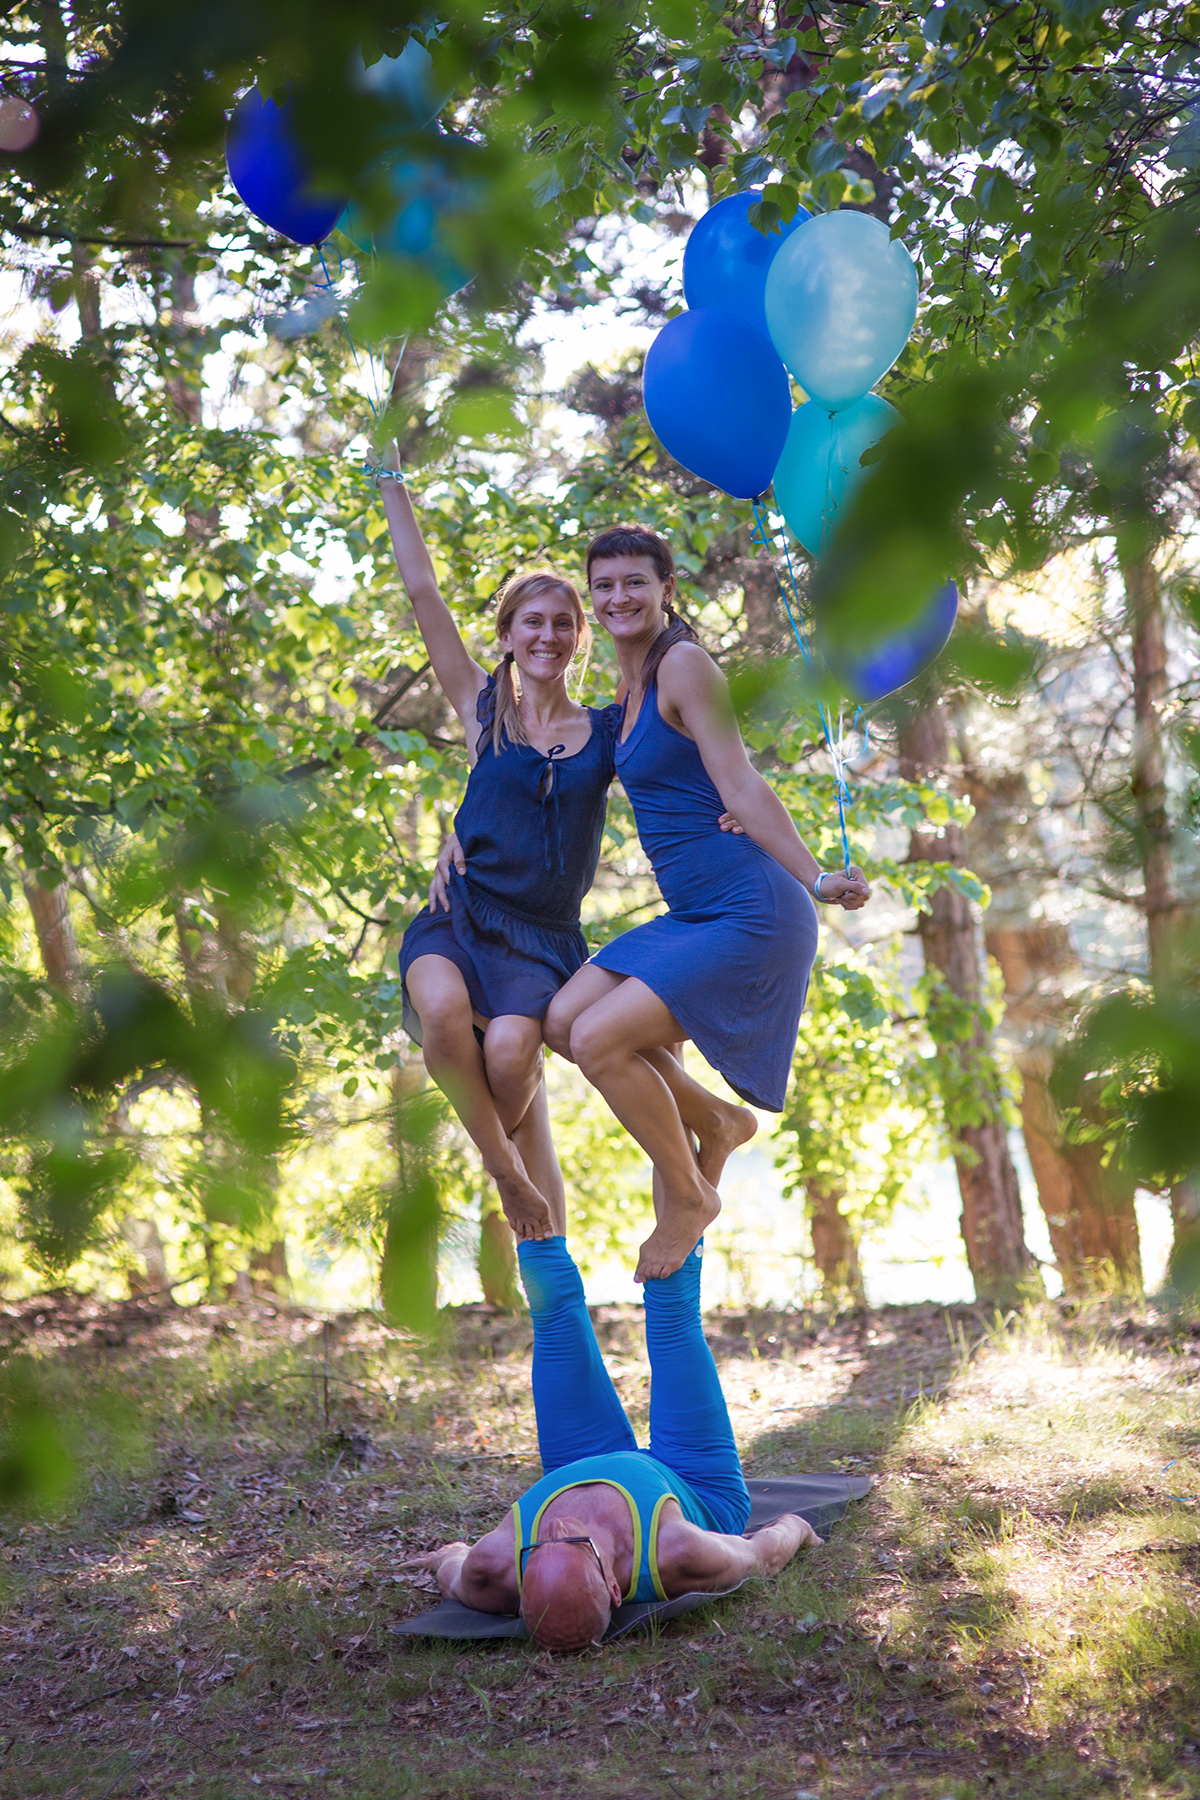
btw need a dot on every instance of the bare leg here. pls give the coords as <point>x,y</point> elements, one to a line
<point>516,1074</point>
<point>606,1041</point>
<point>512,1054</point>
<point>533,1140</point>
<point>719,1125</point>
<point>453,1058</point>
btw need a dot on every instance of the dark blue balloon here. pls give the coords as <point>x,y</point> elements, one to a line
<point>727,261</point>
<point>268,167</point>
<point>894,661</point>
<point>718,400</point>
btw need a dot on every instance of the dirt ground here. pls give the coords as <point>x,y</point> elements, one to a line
<point>1011,1612</point>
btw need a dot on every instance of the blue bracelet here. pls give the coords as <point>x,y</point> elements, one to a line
<point>380,474</point>
<point>817,894</point>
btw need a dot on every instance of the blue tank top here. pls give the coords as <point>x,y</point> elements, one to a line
<point>645,1484</point>
<point>530,824</point>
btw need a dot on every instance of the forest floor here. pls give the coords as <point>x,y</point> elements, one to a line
<point>1012,1612</point>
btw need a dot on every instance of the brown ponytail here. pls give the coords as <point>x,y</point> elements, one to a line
<point>678,631</point>
<point>506,712</point>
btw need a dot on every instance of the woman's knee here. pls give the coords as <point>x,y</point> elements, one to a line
<point>556,1027</point>
<point>591,1045</point>
<point>513,1054</point>
<point>446,1027</point>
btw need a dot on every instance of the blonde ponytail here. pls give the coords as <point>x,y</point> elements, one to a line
<point>506,711</point>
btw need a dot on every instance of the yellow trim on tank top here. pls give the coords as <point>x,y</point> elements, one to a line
<point>659,1589</point>
<point>600,1481</point>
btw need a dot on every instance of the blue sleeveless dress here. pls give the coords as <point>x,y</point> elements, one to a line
<point>530,827</point>
<point>732,955</point>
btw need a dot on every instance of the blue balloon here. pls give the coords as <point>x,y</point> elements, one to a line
<point>271,172</point>
<point>820,470</point>
<point>726,261</point>
<point>718,400</point>
<point>425,193</point>
<point>841,301</point>
<point>892,662</point>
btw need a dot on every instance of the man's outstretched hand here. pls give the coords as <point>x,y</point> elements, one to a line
<point>445,1564</point>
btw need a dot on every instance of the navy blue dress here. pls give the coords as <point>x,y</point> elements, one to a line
<point>733,954</point>
<point>530,827</point>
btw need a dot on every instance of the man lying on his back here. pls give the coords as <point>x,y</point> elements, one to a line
<point>609,1523</point>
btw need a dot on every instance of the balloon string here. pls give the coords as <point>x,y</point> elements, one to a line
<point>328,284</point>
<point>828,506</point>
<point>791,605</point>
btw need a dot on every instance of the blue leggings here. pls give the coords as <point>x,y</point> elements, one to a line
<point>578,1412</point>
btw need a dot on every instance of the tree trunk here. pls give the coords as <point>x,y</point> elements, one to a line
<point>835,1249</point>
<point>408,1268</point>
<point>1143,600</point>
<point>1104,1207</point>
<point>1164,915</point>
<point>269,1275</point>
<point>497,1263</point>
<point>142,1236</point>
<point>1051,1172</point>
<point>1089,1210</point>
<point>991,1222</point>
<point>59,947</point>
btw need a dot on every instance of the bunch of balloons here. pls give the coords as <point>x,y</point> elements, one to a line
<point>272,174</point>
<point>832,299</point>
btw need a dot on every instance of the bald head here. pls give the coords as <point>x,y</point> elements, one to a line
<point>566,1602</point>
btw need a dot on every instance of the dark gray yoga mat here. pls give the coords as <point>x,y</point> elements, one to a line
<point>821,1499</point>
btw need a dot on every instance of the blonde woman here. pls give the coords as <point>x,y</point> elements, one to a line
<point>480,975</point>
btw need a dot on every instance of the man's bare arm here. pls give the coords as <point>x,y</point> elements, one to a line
<point>482,1575</point>
<point>695,1561</point>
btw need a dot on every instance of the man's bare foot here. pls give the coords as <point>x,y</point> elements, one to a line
<point>524,1208</point>
<point>681,1225</point>
<point>731,1127</point>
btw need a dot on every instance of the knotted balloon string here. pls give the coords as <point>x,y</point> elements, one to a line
<point>791,605</point>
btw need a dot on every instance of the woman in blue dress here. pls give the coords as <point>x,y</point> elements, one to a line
<point>501,934</point>
<point>727,965</point>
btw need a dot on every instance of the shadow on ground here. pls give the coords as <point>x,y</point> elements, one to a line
<point>1011,1613</point>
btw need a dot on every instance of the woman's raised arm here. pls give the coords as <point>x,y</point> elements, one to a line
<point>694,690</point>
<point>459,676</point>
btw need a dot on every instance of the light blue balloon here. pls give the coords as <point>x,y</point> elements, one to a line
<point>425,191</point>
<point>841,301</point>
<point>820,470</point>
<point>405,82</point>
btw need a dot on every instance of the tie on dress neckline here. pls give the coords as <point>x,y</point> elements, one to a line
<point>547,793</point>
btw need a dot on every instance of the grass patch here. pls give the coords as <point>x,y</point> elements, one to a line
<point>1013,1612</point>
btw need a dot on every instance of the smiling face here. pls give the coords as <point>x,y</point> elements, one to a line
<point>629,597</point>
<point>543,635</point>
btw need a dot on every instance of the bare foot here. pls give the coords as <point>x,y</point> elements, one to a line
<point>732,1126</point>
<point>524,1207</point>
<point>681,1225</point>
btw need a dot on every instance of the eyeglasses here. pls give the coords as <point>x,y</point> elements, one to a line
<point>529,1549</point>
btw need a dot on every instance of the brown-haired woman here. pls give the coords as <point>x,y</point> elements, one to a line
<point>728,964</point>
<point>480,974</point>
